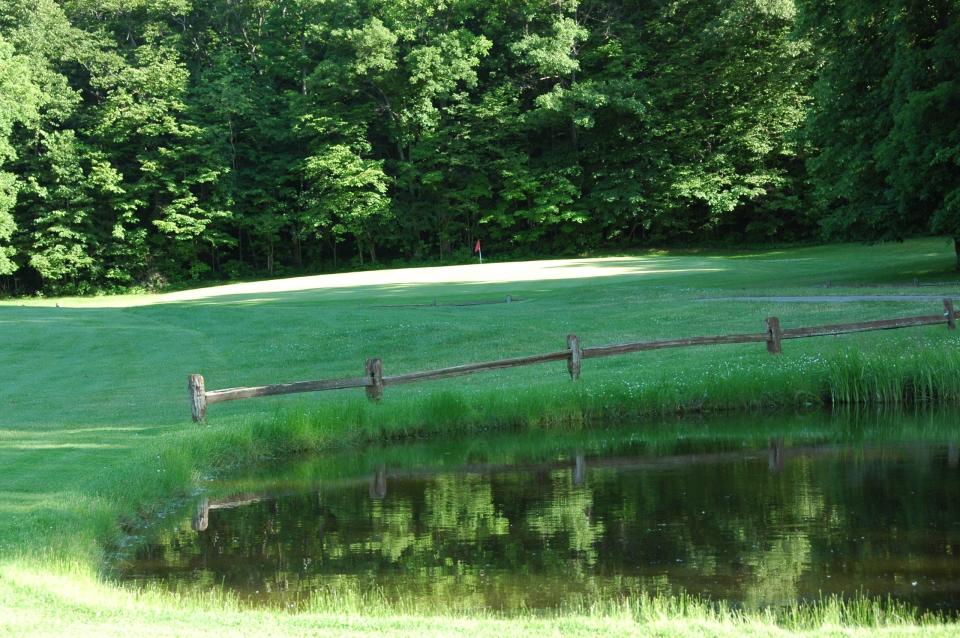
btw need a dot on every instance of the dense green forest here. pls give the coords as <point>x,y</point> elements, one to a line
<point>152,141</point>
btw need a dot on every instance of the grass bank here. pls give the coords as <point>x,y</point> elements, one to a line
<point>85,607</point>
<point>95,427</point>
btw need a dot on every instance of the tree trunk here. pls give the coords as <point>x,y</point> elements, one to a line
<point>298,249</point>
<point>574,138</point>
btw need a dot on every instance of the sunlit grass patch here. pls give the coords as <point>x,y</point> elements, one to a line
<point>69,600</point>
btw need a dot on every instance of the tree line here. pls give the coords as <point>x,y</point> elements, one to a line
<point>152,141</point>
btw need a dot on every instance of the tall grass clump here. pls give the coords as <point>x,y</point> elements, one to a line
<point>927,374</point>
<point>857,611</point>
<point>646,610</point>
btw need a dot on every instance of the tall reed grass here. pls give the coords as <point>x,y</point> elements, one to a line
<point>643,609</point>
<point>926,375</point>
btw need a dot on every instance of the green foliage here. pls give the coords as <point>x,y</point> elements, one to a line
<point>18,97</point>
<point>884,125</point>
<point>153,141</point>
<point>553,55</point>
<point>174,140</point>
<point>346,194</point>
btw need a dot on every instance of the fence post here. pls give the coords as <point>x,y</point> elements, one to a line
<point>374,371</point>
<point>201,516</point>
<point>198,397</point>
<point>573,363</point>
<point>949,312</point>
<point>774,335</point>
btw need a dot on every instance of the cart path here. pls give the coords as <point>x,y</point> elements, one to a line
<point>831,298</point>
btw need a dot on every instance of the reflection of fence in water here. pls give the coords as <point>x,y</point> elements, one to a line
<point>374,380</point>
<point>777,454</point>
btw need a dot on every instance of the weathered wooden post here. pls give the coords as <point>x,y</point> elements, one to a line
<point>774,335</point>
<point>374,372</point>
<point>950,314</point>
<point>198,397</point>
<point>576,353</point>
<point>201,516</point>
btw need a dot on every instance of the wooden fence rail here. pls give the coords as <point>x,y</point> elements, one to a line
<point>374,380</point>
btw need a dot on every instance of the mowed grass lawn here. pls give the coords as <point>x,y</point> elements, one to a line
<point>95,428</point>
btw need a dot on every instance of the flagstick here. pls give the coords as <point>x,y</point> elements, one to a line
<point>481,256</point>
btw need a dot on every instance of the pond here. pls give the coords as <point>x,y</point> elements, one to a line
<point>759,514</point>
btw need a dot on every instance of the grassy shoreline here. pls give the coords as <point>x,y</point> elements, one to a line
<point>96,428</point>
<point>66,593</point>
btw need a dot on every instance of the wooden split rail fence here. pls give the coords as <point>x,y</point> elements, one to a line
<point>374,380</point>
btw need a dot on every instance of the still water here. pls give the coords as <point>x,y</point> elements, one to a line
<point>755,520</point>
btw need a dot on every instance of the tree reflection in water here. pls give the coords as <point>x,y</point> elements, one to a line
<point>757,527</point>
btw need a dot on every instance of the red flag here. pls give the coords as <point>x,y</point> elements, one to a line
<point>476,248</point>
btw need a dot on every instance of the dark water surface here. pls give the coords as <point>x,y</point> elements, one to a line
<point>753,519</point>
